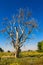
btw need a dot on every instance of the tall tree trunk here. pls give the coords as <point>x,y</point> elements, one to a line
<point>17,52</point>
<point>17,45</point>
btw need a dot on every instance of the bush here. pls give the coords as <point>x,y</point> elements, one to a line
<point>1,50</point>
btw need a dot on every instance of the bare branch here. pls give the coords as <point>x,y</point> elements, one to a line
<point>19,27</point>
<point>21,35</point>
<point>2,31</point>
<point>6,19</point>
<point>21,43</point>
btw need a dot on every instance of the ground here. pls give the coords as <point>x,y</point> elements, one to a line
<point>26,58</point>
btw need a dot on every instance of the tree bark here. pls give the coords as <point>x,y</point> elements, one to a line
<point>17,52</point>
<point>17,45</point>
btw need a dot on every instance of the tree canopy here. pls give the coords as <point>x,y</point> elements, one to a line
<point>40,46</point>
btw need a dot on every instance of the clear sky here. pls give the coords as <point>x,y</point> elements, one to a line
<point>9,7</point>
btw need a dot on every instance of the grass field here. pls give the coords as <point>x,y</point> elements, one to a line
<point>26,58</point>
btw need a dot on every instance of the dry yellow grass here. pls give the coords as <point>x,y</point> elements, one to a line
<point>26,58</point>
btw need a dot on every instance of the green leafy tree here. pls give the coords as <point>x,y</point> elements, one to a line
<point>40,46</point>
<point>19,29</point>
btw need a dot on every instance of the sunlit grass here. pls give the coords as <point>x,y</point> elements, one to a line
<point>26,58</point>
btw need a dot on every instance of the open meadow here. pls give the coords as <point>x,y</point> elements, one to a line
<point>21,32</point>
<point>26,58</point>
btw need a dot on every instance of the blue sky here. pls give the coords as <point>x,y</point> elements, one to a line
<point>9,7</point>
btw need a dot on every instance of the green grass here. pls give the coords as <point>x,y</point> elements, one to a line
<point>26,58</point>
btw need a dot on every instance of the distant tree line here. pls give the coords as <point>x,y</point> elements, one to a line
<point>1,50</point>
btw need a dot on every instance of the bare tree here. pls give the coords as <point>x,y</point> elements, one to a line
<point>19,28</point>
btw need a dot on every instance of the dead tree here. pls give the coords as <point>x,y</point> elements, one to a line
<point>19,28</point>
